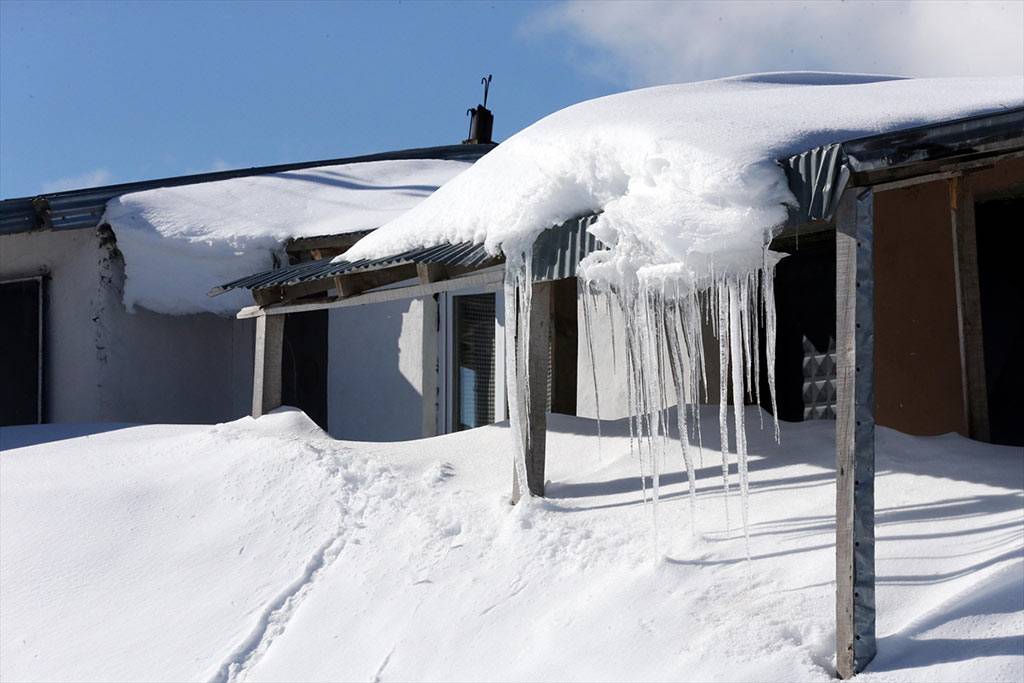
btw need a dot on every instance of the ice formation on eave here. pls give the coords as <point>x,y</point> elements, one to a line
<point>179,242</point>
<point>690,194</point>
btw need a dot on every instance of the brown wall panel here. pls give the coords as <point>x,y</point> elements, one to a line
<point>1004,179</point>
<point>918,384</point>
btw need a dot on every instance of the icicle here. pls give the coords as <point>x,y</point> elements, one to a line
<point>517,390</point>
<point>677,352</point>
<point>768,296</point>
<point>664,322</point>
<point>588,325</point>
<point>611,329</point>
<point>723,390</point>
<point>735,323</point>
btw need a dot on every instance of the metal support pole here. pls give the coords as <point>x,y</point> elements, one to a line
<point>855,433</point>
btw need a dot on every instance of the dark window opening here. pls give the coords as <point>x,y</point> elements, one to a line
<point>473,361</point>
<point>805,346</point>
<point>1000,240</point>
<point>21,359</point>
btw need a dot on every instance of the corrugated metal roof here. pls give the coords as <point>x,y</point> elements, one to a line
<point>818,176</point>
<point>464,254</point>
<point>77,209</point>
<point>557,253</point>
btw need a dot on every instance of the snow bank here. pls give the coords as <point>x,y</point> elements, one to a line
<point>685,174</point>
<point>180,242</point>
<point>261,550</point>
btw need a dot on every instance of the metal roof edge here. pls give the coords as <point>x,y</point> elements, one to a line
<point>75,209</point>
<point>818,176</point>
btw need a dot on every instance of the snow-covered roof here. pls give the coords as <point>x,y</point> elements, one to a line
<point>685,175</point>
<point>179,242</point>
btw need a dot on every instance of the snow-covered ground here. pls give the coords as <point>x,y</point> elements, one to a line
<point>264,550</point>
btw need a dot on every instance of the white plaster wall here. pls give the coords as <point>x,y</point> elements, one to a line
<point>608,345</point>
<point>375,371</point>
<point>105,364</point>
<point>71,366</point>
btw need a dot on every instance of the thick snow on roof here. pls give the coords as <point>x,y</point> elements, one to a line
<point>180,242</point>
<point>685,174</point>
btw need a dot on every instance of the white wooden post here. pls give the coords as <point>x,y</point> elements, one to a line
<point>855,433</point>
<point>266,381</point>
<point>968,308</point>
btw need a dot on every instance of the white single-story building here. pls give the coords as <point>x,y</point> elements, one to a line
<point>104,292</point>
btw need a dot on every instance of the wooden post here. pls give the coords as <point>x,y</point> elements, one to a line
<point>538,364</point>
<point>855,433</point>
<point>968,308</point>
<point>266,380</point>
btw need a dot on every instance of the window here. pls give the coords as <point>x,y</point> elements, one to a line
<point>473,361</point>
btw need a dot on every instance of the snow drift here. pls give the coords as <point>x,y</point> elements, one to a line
<point>180,242</point>
<point>263,550</point>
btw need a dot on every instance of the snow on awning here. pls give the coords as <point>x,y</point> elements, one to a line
<point>556,256</point>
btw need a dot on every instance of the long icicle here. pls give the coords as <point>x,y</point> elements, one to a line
<point>723,391</point>
<point>735,323</point>
<point>588,324</point>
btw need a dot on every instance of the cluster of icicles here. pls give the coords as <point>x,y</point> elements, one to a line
<point>665,358</point>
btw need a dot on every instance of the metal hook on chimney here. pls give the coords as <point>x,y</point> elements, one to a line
<point>481,120</point>
<point>486,82</point>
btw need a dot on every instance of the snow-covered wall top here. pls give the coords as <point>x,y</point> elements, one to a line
<point>685,174</point>
<point>179,242</point>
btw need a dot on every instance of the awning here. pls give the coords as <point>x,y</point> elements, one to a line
<point>556,255</point>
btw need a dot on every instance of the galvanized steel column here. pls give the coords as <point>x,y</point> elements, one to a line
<point>855,433</point>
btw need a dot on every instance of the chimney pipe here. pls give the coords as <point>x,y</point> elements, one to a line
<point>481,121</point>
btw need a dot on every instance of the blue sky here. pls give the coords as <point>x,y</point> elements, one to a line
<point>97,93</point>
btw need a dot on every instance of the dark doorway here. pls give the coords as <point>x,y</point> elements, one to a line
<point>304,364</point>
<point>21,360</point>
<point>1000,233</point>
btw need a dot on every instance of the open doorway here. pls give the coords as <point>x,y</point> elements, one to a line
<point>21,351</point>
<point>1000,240</point>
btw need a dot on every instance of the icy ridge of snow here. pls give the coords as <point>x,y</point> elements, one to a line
<point>685,174</point>
<point>180,242</point>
